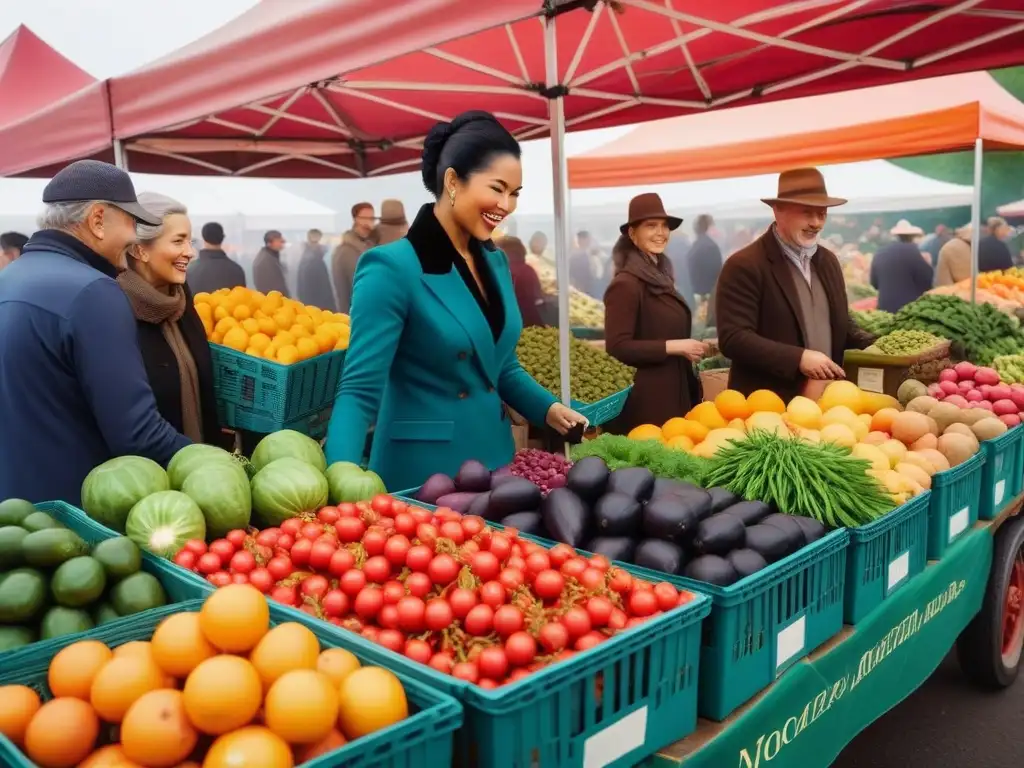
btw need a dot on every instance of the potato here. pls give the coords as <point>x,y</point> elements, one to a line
<point>922,404</point>
<point>963,429</point>
<point>915,474</point>
<point>935,457</point>
<point>988,429</point>
<point>918,459</point>
<point>945,414</point>
<point>970,415</point>
<point>957,448</point>
<point>925,441</point>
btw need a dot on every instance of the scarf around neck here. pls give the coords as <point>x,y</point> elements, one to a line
<point>658,276</point>
<point>153,306</point>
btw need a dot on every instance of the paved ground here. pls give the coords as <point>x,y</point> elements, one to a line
<point>946,723</point>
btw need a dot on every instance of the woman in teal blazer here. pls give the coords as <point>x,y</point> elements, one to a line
<point>435,324</point>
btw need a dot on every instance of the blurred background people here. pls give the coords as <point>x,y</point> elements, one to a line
<point>213,269</point>
<point>11,245</point>
<point>354,243</point>
<point>268,273</point>
<point>393,224</point>
<point>529,295</point>
<point>313,284</point>
<point>899,271</point>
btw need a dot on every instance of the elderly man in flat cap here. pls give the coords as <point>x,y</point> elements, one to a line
<point>781,307</point>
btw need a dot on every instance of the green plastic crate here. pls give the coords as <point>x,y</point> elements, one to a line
<point>885,555</point>
<point>423,739</point>
<point>955,504</point>
<point>587,334</point>
<point>1001,476</point>
<point>605,409</point>
<point>314,425</point>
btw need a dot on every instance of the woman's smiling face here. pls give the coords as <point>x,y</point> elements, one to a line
<point>488,196</point>
<point>651,236</point>
<point>164,261</point>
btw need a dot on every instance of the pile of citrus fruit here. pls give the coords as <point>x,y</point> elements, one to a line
<point>218,687</point>
<point>270,326</point>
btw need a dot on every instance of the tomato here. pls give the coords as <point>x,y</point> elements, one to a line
<point>559,554</point>
<point>198,546</point>
<point>418,650</point>
<point>223,549</point>
<point>553,637</point>
<point>577,621</point>
<point>520,648</point>
<point>352,582</point>
<point>393,591</point>
<point>589,640</point>
<point>368,602</point>
<point>468,549</point>
<point>537,562</point>
<point>441,661</point>
<point>371,633</point>
<point>684,597</point>
<point>268,537</point>
<point>622,581</point>
<point>388,617</point>
<point>208,563</point>
<point>487,684</point>
<point>636,621</point>
<point>314,586</point>
<point>335,603</point>
<point>512,533</point>
<point>377,569</point>
<point>242,562</point>
<point>349,529</point>
<point>373,541</point>
<point>508,619</point>
<point>600,610</point>
<point>418,558</point>
<point>292,526</point>
<point>341,560</point>
<point>405,524</point>
<point>392,639</point>
<point>667,595</point>
<point>411,613</point>
<point>462,601</point>
<point>438,615</point>
<point>518,674</point>
<point>592,579</point>
<point>512,579</point>
<point>574,567</point>
<point>320,555</point>
<point>492,593</point>
<point>466,670</point>
<point>642,603</point>
<point>418,584</point>
<point>398,505</point>
<point>427,533</point>
<point>501,546</point>
<point>237,538</point>
<point>261,579</point>
<point>485,565</point>
<point>447,514</point>
<point>300,552</point>
<point>219,579</point>
<point>493,663</point>
<point>548,584</point>
<point>600,562</point>
<point>186,559</point>
<point>617,619</point>
<point>263,553</point>
<point>443,569</point>
<point>311,531</point>
<point>382,504</point>
<point>421,515</point>
<point>328,515</point>
<point>472,525</point>
<point>453,530</point>
<point>280,567</point>
<point>285,541</point>
<point>516,562</point>
<point>285,595</point>
<point>480,620</point>
<point>396,549</point>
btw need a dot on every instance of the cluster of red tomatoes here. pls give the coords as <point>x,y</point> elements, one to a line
<point>444,589</point>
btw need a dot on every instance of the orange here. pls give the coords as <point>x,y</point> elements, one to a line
<point>369,699</point>
<point>680,443</point>
<point>18,705</point>
<point>707,414</point>
<point>645,432</point>
<point>287,355</point>
<point>136,648</point>
<point>268,326</point>
<point>121,682</point>
<point>252,746</point>
<point>765,400</point>
<point>305,321</point>
<point>259,341</point>
<point>251,326</point>
<point>235,618</point>
<point>220,313</point>
<point>73,669</point>
<point>882,420</point>
<point>732,405</point>
<point>337,664</point>
<point>299,331</point>
<point>156,732</point>
<point>222,694</point>
<point>326,339</point>
<point>201,298</point>
<point>62,733</point>
<point>236,338</point>
<point>179,645</point>
<point>307,348</point>
<point>678,426</point>
<point>111,756</point>
<point>285,648</point>
<point>285,338</point>
<point>301,706</point>
<point>306,752</point>
<point>241,312</point>
<point>225,325</point>
<point>216,337</point>
<point>284,318</point>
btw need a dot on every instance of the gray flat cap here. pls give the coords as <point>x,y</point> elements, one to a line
<point>86,180</point>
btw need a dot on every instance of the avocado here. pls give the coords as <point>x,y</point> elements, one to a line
<point>60,621</point>
<point>13,511</point>
<point>50,547</point>
<point>120,557</point>
<point>22,595</point>
<point>37,521</point>
<point>78,582</point>
<point>11,537</point>
<point>139,592</point>
<point>15,637</point>
<point>104,613</point>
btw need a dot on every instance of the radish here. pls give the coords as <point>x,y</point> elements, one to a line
<point>1010,419</point>
<point>947,374</point>
<point>965,386</point>
<point>1017,395</point>
<point>958,400</point>
<point>1004,407</point>
<point>1015,387</point>
<point>973,396</point>
<point>985,404</point>
<point>986,376</point>
<point>936,391</point>
<point>1000,392</point>
<point>949,387</point>
<point>966,370</point>
<point>986,390</point>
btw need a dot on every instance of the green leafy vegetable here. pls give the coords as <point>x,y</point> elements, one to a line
<point>618,451</point>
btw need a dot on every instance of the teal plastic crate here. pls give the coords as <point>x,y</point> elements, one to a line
<point>587,334</point>
<point>262,396</point>
<point>955,504</point>
<point>605,409</point>
<point>314,425</point>
<point>885,555</point>
<point>1001,475</point>
<point>423,739</point>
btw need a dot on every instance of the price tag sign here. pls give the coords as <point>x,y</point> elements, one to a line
<point>871,379</point>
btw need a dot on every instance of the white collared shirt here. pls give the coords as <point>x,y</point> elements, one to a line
<point>801,257</point>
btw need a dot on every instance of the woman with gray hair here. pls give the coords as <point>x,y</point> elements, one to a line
<point>170,332</point>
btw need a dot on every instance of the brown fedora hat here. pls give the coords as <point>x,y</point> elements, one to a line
<point>648,206</point>
<point>803,186</point>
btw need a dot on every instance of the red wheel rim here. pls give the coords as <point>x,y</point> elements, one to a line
<point>1013,613</point>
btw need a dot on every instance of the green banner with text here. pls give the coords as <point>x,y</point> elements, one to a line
<point>811,713</point>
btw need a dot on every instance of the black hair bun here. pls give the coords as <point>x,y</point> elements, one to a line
<point>437,137</point>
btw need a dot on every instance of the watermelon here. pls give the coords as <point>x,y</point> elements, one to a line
<point>288,444</point>
<point>115,486</point>
<point>163,521</point>
<point>190,458</point>
<point>350,482</point>
<point>221,489</point>
<point>285,488</point>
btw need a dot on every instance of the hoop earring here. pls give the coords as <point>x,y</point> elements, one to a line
<point>451,197</point>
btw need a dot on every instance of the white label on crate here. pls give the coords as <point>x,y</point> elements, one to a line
<point>871,379</point>
<point>998,493</point>
<point>790,641</point>
<point>958,523</point>
<point>898,570</point>
<point>618,739</point>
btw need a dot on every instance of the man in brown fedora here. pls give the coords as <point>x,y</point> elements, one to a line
<point>781,305</point>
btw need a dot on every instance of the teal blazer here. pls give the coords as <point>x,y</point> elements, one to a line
<point>424,366</point>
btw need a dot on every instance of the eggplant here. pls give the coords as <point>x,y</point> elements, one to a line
<point>750,512</point>
<point>813,530</point>
<point>481,507</point>
<point>435,487</point>
<point>514,495</point>
<point>637,482</point>
<point>619,548</point>
<point>722,498</point>
<point>712,569</point>
<point>789,526</point>
<point>500,472</point>
<point>588,478</point>
<point>658,555</point>
<point>499,480</point>
<point>616,514</point>
<point>457,501</point>
<point>719,534</point>
<point>769,541</point>
<point>671,518</point>
<point>526,522</point>
<point>473,476</point>
<point>746,562</point>
<point>565,516</point>
<point>664,486</point>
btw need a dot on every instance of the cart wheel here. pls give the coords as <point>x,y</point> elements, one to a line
<point>989,649</point>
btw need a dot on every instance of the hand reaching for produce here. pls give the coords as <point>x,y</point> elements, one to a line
<point>689,348</point>
<point>816,365</point>
<point>561,418</point>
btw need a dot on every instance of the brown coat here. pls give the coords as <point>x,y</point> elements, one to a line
<point>637,323</point>
<point>760,328</point>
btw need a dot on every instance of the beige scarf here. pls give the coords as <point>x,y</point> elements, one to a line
<point>151,305</point>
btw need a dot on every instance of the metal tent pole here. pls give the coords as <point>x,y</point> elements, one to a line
<point>120,156</point>
<point>976,217</point>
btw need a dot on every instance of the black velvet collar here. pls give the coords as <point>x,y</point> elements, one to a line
<point>434,248</point>
<point>62,242</point>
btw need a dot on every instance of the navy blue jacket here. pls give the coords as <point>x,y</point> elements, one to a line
<point>73,387</point>
<point>900,275</point>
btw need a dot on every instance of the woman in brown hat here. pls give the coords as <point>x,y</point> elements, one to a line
<point>647,322</point>
<point>393,225</point>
